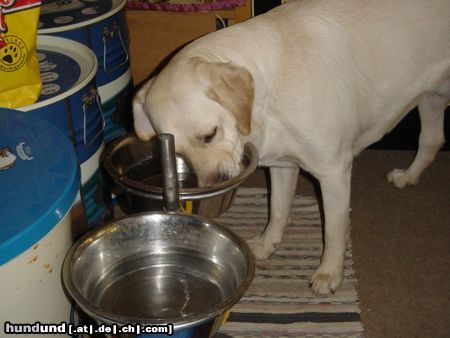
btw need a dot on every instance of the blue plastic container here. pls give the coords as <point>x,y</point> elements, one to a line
<point>100,25</point>
<point>40,182</point>
<point>69,98</point>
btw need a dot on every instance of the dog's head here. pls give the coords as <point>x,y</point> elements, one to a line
<point>206,106</point>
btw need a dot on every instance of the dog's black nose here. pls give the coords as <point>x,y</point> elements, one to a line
<point>222,177</point>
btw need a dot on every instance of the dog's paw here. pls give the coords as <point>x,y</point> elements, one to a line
<point>324,282</point>
<point>400,178</point>
<point>260,249</point>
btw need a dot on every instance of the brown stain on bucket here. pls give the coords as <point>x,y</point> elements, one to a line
<point>33,259</point>
<point>48,267</point>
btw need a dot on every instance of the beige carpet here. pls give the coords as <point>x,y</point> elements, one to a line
<point>279,302</point>
<point>400,245</point>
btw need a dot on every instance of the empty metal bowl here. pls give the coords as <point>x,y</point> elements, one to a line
<point>159,268</point>
<point>135,166</point>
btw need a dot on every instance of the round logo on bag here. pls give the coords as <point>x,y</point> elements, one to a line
<point>13,55</point>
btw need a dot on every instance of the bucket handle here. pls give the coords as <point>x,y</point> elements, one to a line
<point>108,34</point>
<point>87,101</point>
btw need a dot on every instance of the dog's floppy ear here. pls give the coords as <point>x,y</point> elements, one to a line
<point>231,87</point>
<point>142,124</point>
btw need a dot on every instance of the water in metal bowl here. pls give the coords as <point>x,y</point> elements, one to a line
<point>135,166</point>
<point>159,268</point>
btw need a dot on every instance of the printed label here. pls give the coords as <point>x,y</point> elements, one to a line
<point>9,6</point>
<point>14,54</point>
<point>8,158</point>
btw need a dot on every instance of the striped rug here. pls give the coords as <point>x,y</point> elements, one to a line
<point>279,303</point>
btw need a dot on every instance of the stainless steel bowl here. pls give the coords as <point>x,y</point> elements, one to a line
<point>159,268</point>
<point>135,166</point>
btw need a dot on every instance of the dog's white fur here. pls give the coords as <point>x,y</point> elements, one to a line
<point>310,84</point>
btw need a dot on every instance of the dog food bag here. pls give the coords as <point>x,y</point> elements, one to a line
<point>20,79</point>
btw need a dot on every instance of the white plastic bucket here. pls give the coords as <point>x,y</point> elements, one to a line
<point>40,179</point>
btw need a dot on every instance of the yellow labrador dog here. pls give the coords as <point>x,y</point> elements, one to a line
<point>310,84</point>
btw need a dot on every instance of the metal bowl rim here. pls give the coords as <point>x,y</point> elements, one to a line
<point>106,317</point>
<point>137,188</point>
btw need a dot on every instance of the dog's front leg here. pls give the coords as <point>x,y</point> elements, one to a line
<point>283,185</point>
<point>335,186</point>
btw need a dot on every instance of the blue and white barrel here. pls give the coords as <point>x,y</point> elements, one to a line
<point>100,25</point>
<point>40,181</point>
<point>69,98</point>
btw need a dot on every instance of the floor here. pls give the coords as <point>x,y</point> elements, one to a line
<point>401,244</point>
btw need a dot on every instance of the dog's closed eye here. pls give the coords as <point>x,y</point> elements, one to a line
<point>209,137</point>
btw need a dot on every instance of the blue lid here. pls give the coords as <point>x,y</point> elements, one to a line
<point>72,13</point>
<point>54,67</point>
<point>39,180</point>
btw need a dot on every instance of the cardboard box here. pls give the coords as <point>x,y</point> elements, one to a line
<point>156,36</point>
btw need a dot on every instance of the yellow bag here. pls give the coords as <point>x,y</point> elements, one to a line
<point>20,79</point>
